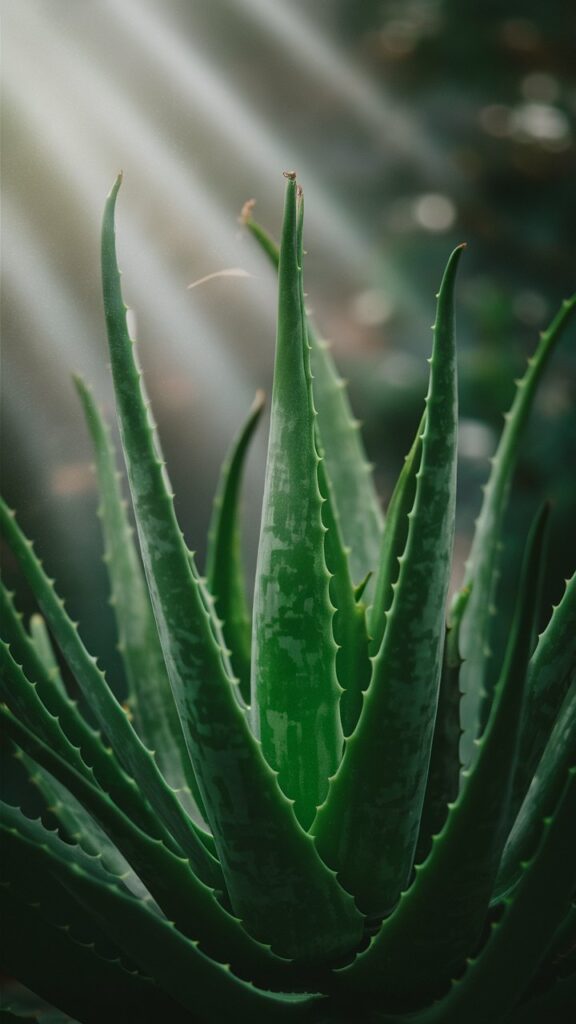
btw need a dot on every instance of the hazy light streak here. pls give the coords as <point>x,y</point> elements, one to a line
<point>122,122</point>
<point>255,142</point>
<point>45,300</point>
<point>394,127</point>
<point>166,307</point>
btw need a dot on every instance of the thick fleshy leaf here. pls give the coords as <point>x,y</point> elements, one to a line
<point>438,920</point>
<point>444,771</point>
<point>46,703</point>
<point>150,697</point>
<point>353,667</point>
<point>92,989</point>
<point>79,827</point>
<point>551,671</point>
<point>114,722</point>
<point>482,564</point>
<point>507,963</point>
<point>168,878</point>
<point>368,826</point>
<point>203,986</point>
<point>224,568</point>
<point>293,658</point>
<point>43,644</point>
<point>541,797</point>
<point>394,540</point>
<point>278,884</point>
<point>356,503</point>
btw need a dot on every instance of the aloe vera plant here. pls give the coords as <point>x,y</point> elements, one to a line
<point>281,823</point>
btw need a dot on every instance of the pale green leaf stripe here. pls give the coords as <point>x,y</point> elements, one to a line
<point>368,827</point>
<point>482,564</point>
<point>414,951</point>
<point>293,654</point>
<point>207,988</point>
<point>224,568</point>
<point>356,503</point>
<point>150,697</point>
<point>43,644</point>
<point>277,883</point>
<point>113,721</point>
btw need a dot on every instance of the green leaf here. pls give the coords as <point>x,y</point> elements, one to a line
<point>444,771</point>
<point>482,564</point>
<point>551,670</point>
<point>43,644</point>
<point>355,500</point>
<point>92,989</point>
<point>394,539</point>
<point>150,697</point>
<point>542,796</point>
<point>45,706</point>
<point>224,569</point>
<point>203,986</point>
<point>293,668</point>
<point>515,948</point>
<point>555,1006</point>
<point>133,755</point>
<point>78,826</point>
<point>168,878</point>
<point>375,799</point>
<point>353,667</point>
<point>439,918</point>
<point>278,885</point>
<point>21,1004</point>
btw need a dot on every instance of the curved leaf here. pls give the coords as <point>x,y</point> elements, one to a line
<point>368,826</point>
<point>278,884</point>
<point>113,721</point>
<point>439,918</point>
<point>293,660</point>
<point>150,697</point>
<point>224,570</point>
<point>482,564</point>
<point>356,503</point>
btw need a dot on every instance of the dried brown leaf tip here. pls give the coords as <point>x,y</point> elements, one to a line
<point>290,174</point>
<point>246,211</point>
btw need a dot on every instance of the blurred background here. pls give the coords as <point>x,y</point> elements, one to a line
<point>413,126</point>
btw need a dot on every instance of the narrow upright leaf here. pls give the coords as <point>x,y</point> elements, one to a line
<point>482,564</point>
<point>41,640</point>
<point>224,569</point>
<point>438,920</point>
<point>112,719</point>
<point>277,882</point>
<point>394,540</point>
<point>353,667</point>
<point>368,826</point>
<point>541,797</point>
<point>551,671</point>
<point>150,697</point>
<point>444,771</point>
<point>294,681</point>
<point>355,500</point>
